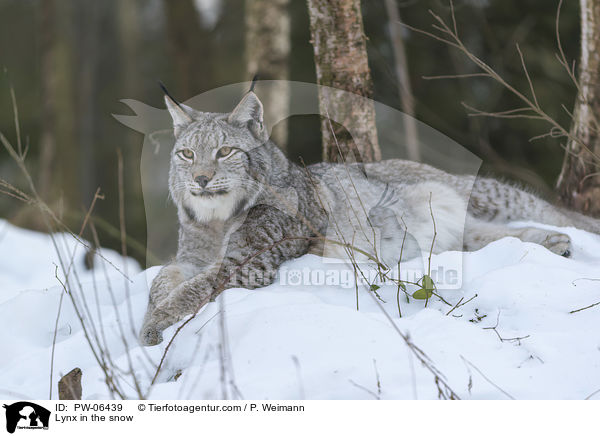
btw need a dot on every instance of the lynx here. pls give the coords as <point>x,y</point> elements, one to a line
<point>244,209</point>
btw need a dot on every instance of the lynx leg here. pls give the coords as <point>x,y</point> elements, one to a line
<point>168,278</point>
<point>480,233</point>
<point>187,298</point>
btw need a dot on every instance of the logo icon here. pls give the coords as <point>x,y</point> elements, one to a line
<point>26,415</point>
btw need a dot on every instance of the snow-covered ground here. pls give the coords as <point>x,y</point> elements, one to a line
<point>308,340</point>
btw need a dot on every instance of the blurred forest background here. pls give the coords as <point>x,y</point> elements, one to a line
<point>71,61</point>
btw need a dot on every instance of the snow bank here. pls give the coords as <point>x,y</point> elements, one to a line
<point>309,341</point>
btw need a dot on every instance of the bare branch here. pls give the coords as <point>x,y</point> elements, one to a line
<point>586,307</point>
<point>456,76</point>
<point>486,378</point>
<point>450,37</point>
<point>537,105</point>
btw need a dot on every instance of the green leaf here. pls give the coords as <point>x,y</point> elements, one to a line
<point>422,294</point>
<point>428,283</point>
<point>374,287</point>
<point>426,290</point>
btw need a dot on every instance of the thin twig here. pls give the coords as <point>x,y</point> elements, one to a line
<point>457,305</point>
<point>592,394</point>
<point>367,390</point>
<point>486,378</point>
<point>586,307</point>
<point>495,329</point>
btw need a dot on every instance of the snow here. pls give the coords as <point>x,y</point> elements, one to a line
<point>29,261</point>
<point>309,340</point>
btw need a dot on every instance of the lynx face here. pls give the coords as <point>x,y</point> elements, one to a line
<point>216,160</point>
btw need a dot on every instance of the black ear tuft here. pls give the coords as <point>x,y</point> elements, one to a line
<point>253,84</point>
<point>182,115</point>
<point>167,93</point>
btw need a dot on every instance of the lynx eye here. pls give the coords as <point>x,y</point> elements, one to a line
<point>224,151</point>
<point>186,154</point>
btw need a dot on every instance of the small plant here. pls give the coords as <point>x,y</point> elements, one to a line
<point>478,317</point>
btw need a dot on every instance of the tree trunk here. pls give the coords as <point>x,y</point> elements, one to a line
<point>579,180</point>
<point>57,174</point>
<point>48,133</point>
<point>341,62</point>
<point>404,87</point>
<point>128,16</point>
<point>190,48</point>
<point>89,18</point>
<point>267,54</point>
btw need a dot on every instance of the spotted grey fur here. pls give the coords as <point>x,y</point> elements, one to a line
<point>258,210</point>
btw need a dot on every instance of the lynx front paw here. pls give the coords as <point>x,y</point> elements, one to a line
<point>155,322</point>
<point>150,335</point>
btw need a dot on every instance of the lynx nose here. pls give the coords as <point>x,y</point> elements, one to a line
<point>202,181</point>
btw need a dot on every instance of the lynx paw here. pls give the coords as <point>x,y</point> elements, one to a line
<point>150,335</point>
<point>558,243</point>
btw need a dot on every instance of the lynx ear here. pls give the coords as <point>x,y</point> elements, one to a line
<point>182,115</point>
<point>249,112</point>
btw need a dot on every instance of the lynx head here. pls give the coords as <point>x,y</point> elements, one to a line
<point>218,159</point>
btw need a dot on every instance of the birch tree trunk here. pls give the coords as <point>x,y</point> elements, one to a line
<point>341,62</point>
<point>579,180</point>
<point>267,54</point>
